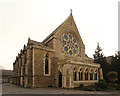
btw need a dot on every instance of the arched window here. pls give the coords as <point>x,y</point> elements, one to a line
<point>86,74</point>
<point>91,74</point>
<point>80,75</point>
<point>75,75</point>
<point>95,75</point>
<point>46,64</point>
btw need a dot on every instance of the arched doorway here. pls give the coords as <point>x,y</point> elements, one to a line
<point>60,80</point>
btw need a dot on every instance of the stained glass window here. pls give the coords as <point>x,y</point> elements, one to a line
<point>66,37</point>
<point>65,48</point>
<point>75,76</point>
<point>74,40</point>
<point>64,42</point>
<point>74,51</point>
<point>76,46</point>
<point>70,44</point>
<point>70,52</point>
<point>70,36</point>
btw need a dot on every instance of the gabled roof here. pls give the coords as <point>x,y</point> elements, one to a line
<point>53,34</point>
<point>35,42</point>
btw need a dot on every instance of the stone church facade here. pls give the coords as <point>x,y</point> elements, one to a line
<point>59,60</point>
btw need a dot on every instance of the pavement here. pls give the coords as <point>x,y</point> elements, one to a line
<point>8,88</point>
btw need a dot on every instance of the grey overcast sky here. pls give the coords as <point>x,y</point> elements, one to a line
<point>96,20</point>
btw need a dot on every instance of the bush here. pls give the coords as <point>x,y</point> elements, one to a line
<point>98,89</point>
<point>101,84</point>
<point>86,89</point>
<point>112,76</point>
<point>89,89</point>
<point>81,85</point>
<point>115,86</point>
<point>110,88</point>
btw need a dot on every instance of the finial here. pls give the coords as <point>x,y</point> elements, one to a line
<point>71,10</point>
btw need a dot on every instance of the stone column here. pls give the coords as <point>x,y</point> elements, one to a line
<point>77,73</point>
<point>83,75</point>
<point>88,76</point>
<point>64,77</point>
<point>101,73</point>
<point>71,85</point>
<point>97,76</point>
<point>63,81</point>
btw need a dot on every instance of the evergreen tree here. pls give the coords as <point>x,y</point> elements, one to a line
<point>99,58</point>
<point>98,54</point>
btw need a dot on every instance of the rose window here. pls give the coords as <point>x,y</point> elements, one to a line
<point>70,44</point>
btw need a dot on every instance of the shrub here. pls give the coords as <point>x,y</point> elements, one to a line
<point>81,85</point>
<point>112,76</point>
<point>101,84</point>
<point>110,88</point>
<point>98,89</point>
<point>88,89</point>
<point>115,86</point>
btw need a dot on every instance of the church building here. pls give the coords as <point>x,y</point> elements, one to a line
<point>58,61</point>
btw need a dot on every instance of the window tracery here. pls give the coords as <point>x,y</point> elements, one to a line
<point>91,74</point>
<point>75,75</point>
<point>86,74</point>
<point>80,75</point>
<point>70,44</point>
<point>95,75</point>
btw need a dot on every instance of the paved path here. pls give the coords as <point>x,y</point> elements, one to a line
<point>15,89</point>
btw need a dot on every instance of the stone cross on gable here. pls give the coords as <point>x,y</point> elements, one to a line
<point>71,10</point>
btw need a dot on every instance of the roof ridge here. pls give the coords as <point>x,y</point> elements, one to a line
<point>36,42</point>
<point>51,34</point>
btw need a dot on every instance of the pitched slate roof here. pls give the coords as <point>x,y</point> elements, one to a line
<point>37,43</point>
